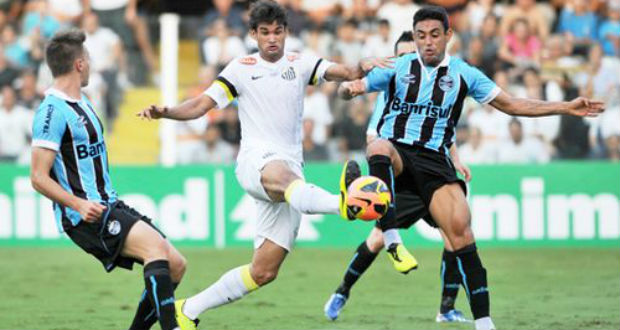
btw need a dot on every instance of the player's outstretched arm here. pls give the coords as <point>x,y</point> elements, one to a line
<point>581,107</point>
<point>341,72</point>
<point>42,161</point>
<point>190,109</point>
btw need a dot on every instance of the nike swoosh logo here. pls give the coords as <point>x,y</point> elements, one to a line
<point>256,77</point>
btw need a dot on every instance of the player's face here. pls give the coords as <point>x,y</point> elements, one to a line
<point>431,40</point>
<point>270,38</point>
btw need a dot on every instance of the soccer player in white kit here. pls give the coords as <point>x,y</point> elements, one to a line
<point>269,86</point>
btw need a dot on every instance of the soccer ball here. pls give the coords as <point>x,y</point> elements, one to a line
<point>368,198</point>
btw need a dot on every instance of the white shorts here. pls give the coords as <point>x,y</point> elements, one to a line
<point>277,222</point>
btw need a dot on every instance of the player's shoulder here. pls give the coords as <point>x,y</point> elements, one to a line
<point>50,107</point>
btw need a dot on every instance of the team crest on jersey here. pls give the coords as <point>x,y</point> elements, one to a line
<point>446,83</point>
<point>114,227</point>
<point>248,60</point>
<point>289,74</point>
<point>292,57</point>
<point>408,78</point>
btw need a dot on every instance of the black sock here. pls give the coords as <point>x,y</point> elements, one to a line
<point>451,281</point>
<point>381,167</point>
<point>159,291</point>
<point>474,280</point>
<point>362,259</point>
<point>145,313</point>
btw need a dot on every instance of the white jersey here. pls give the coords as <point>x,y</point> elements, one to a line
<point>270,97</point>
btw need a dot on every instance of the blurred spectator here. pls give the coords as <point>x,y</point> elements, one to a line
<point>316,108</point>
<point>491,123</point>
<point>520,47</point>
<point>37,17</point>
<point>558,60</point>
<point>15,50</point>
<point>379,44</point>
<point>528,10</point>
<point>352,131</point>
<point>319,11</point>
<point>230,127</point>
<point>106,57</point>
<point>191,141</point>
<point>400,15</point>
<point>222,46</point>
<point>66,11</point>
<point>317,42</point>
<point>347,48</point>
<point>360,10</point>
<point>231,14</point>
<point>476,150</point>
<point>297,19</point>
<point>15,128</point>
<point>519,149</point>
<point>217,150</point>
<point>544,129</point>
<point>490,45</point>
<point>7,73</point>
<point>578,23</point>
<point>311,150</point>
<point>478,11</point>
<point>609,30</point>
<point>29,97</point>
<point>597,81</point>
<point>121,16</point>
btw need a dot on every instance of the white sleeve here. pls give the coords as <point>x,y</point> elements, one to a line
<point>314,68</point>
<point>224,89</point>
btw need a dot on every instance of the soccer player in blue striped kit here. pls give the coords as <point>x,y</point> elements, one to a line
<point>426,91</point>
<point>70,167</point>
<point>411,209</point>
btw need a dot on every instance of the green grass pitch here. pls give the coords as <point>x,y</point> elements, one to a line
<point>548,288</point>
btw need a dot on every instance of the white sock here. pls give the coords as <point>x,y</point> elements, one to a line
<point>232,286</point>
<point>484,323</point>
<point>310,199</point>
<point>391,236</point>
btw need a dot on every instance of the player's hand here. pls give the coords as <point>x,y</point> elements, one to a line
<point>152,112</point>
<point>355,87</point>
<point>463,170</point>
<point>90,211</point>
<point>583,107</point>
<point>369,63</point>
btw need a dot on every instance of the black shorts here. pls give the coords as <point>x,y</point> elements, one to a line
<point>410,209</point>
<point>104,239</point>
<point>424,171</point>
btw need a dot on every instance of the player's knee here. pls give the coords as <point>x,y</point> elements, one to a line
<point>178,264</point>
<point>375,241</point>
<point>378,147</point>
<point>158,250</point>
<point>264,276</point>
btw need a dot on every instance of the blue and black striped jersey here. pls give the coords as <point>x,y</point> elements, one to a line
<point>72,129</point>
<point>423,104</point>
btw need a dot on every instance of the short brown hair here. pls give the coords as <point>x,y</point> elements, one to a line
<point>64,48</point>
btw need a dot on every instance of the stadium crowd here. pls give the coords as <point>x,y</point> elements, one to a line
<point>552,50</point>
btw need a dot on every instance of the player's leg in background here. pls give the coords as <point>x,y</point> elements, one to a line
<point>362,259</point>
<point>450,284</point>
<point>385,163</point>
<point>449,208</point>
<point>146,315</point>
<point>282,184</point>
<point>239,281</point>
<point>146,244</point>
